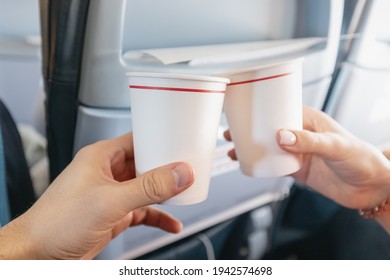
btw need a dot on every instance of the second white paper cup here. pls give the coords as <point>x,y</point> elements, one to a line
<point>259,101</point>
<point>176,117</point>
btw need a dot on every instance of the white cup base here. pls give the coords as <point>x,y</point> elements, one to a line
<point>273,167</point>
<point>189,201</point>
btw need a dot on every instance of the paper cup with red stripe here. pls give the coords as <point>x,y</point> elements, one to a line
<point>175,117</point>
<point>259,101</point>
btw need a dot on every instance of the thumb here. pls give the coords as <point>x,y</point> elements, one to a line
<point>304,141</point>
<point>157,185</point>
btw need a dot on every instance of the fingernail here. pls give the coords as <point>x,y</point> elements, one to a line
<point>183,175</point>
<point>287,138</point>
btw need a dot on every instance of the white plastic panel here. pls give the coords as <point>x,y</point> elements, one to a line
<point>314,94</point>
<point>100,124</point>
<point>382,16</point>
<point>19,87</point>
<point>103,81</point>
<point>176,23</point>
<point>20,64</point>
<point>19,19</point>
<point>361,103</point>
<point>372,49</point>
<point>20,81</point>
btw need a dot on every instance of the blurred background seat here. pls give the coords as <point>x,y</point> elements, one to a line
<point>20,61</point>
<point>88,46</point>
<point>116,36</point>
<point>310,226</point>
<point>21,95</point>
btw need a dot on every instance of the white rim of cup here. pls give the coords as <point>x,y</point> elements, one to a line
<point>259,79</point>
<point>178,76</point>
<point>259,67</point>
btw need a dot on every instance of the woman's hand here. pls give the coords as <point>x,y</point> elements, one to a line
<point>336,163</point>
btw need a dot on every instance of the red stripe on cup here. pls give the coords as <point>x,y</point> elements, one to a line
<point>177,89</point>
<point>259,79</point>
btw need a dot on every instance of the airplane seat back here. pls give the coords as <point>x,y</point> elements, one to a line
<point>310,225</point>
<point>363,82</point>
<point>85,48</point>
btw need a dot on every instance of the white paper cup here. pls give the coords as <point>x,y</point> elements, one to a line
<point>259,101</point>
<point>176,118</point>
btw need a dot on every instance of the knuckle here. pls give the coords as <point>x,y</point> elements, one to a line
<point>311,141</point>
<point>314,140</point>
<point>84,152</point>
<point>153,187</point>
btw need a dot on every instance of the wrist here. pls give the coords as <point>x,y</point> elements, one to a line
<point>381,210</point>
<point>15,242</point>
<point>384,218</point>
<point>376,211</point>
